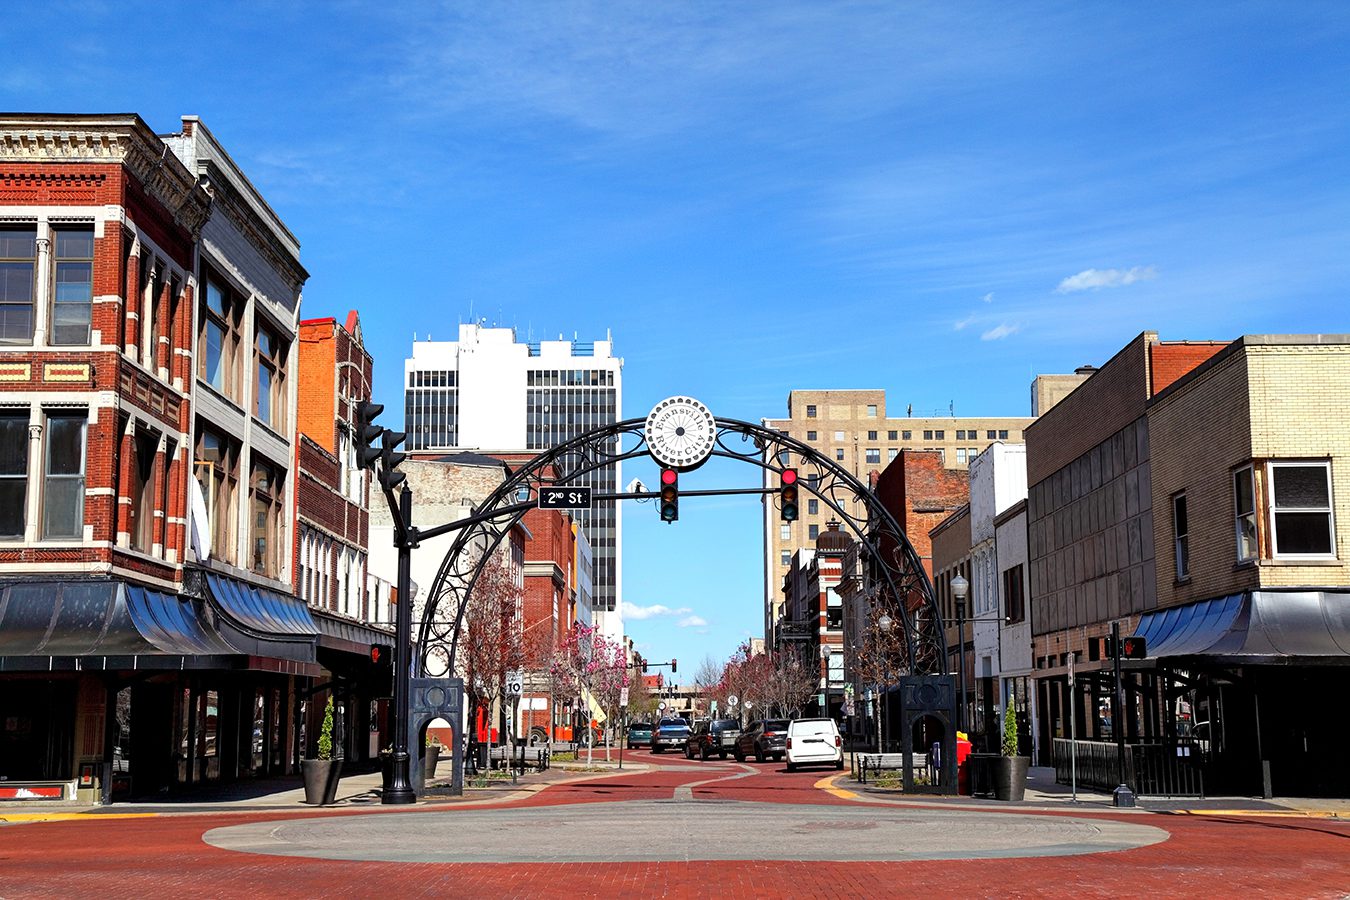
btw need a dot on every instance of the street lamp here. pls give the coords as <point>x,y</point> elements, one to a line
<point>825,652</point>
<point>886,624</point>
<point>961,587</point>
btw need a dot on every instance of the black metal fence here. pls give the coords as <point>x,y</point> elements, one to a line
<point>1151,770</point>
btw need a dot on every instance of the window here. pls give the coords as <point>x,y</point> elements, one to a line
<point>18,261</point>
<point>1014,600</point>
<point>812,531</point>
<point>839,454</point>
<point>785,532</point>
<point>785,558</point>
<point>874,454</point>
<point>838,435</point>
<point>1300,509</point>
<point>906,435</point>
<point>13,473</point>
<point>1003,434</point>
<point>940,435</point>
<point>891,453</point>
<point>991,434</point>
<point>1181,537</point>
<point>810,412</point>
<point>892,435</point>
<point>218,356</point>
<point>143,490</point>
<point>265,489</point>
<point>960,454</point>
<point>74,295</point>
<point>961,435</point>
<point>927,435</point>
<point>217,468</point>
<point>1244,505</point>
<point>871,411</point>
<point>63,494</point>
<point>871,435</point>
<point>812,481</point>
<point>270,384</point>
<point>810,435</point>
<point>812,507</point>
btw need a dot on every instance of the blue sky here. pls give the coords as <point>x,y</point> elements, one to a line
<point>941,200</point>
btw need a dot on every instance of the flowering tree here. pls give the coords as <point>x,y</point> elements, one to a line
<point>587,659</point>
<point>877,659</point>
<point>775,683</point>
<point>493,642</point>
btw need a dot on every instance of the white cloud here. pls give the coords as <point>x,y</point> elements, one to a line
<point>692,622</point>
<point>988,298</point>
<point>1000,332</point>
<point>638,613</point>
<point>1094,279</point>
<point>960,324</point>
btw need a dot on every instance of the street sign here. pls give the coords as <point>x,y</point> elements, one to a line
<point>623,696</point>
<point>732,700</point>
<point>714,706</point>
<point>660,706</point>
<point>565,498</point>
<point>749,706</point>
<point>515,683</point>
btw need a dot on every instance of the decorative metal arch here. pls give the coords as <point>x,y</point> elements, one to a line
<point>893,573</point>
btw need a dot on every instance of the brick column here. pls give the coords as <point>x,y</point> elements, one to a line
<point>125,479</point>
<point>131,333</point>
<point>182,343</point>
<point>175,542</point>
<point>158,475</point>
<point>160,351</point>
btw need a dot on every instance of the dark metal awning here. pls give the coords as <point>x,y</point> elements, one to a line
<point>1280,626</point>
<point>262,622</point>
<point>105,624</point>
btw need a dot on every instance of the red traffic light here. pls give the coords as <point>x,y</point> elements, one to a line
<point>669,476</point>
<point>789,476</point>
<point>380,654</point>
<point>1133,648</point>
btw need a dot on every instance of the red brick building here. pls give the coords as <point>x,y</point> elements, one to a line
<point>149,299</point>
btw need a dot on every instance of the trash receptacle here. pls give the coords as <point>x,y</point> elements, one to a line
<point>962,765</point>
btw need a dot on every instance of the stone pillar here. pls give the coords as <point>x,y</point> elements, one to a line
<point>131,330</point>
<point>41,285</point>
<point>33,498</point>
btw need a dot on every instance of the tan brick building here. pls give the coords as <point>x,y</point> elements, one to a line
<point>852,429</point>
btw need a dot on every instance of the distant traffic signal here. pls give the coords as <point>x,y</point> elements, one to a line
<point>672,666</point>
<point>787,492</point>
<point>367,433</point>
<point>390,460</point>
<point>644,667</point>
<point>670,495</point>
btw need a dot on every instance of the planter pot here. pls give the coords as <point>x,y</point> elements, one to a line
<point>430,757</point>
<point>1010,777</point>
<point>321,780</point>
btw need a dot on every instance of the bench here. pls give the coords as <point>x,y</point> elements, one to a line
<point>536,758</point>
<point>876,763</point>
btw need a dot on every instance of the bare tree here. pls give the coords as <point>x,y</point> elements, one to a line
<point>707,677</point>
<point>879,659</point>
<point>493,642</point>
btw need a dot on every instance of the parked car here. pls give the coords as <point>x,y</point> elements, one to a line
<point>813,742</point>
<point>714,736</point>
<point>764,739</point>
<point>639,735</point>
<point>670,734</point>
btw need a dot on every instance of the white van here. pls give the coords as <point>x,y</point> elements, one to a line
<point>814,742</point>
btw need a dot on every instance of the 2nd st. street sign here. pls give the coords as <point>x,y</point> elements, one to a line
<point>564,498</point>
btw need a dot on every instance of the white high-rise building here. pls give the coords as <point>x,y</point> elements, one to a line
<point>490,393</point>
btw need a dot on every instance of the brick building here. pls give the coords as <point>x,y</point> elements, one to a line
<point>149,297</point>
<point>549,612</point>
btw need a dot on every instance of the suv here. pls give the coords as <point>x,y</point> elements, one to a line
<point>715,736</point>
<point>670,734</point>
<point>814,742</point>
<point>762,739</point>
<point>639,735</point>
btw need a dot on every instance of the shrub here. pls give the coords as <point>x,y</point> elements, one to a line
<point>325,747</point>
<point>1010,729</point>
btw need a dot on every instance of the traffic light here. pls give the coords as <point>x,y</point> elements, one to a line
<point>390,460</point>
<point>381,654</point>
<point>787,489</point>
<point>644,667</point>
<point>1133,648</point>
<point>672,666</point>
<point>367,433</point>
<point>382,676</point>
<point>670,495</point>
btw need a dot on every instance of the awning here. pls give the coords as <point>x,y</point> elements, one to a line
<point>1254,627</point>
<point>262,622</point>
<point>105,624</point>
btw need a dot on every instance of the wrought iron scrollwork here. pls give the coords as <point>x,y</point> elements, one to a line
<point>895,574</point>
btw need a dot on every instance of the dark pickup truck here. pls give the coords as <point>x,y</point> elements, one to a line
<point>715,736</point>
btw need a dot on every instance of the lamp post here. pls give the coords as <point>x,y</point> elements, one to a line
<point>825,680</point>
<point>961,587</point>
<point>886,624</point>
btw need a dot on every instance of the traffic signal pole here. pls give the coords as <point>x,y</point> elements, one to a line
<point>398,788</point>
<point>1122,796</point>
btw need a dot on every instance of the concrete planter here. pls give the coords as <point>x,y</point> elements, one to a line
<point>321,780</point>
<point>1010,777</point>
<point>431,756</point>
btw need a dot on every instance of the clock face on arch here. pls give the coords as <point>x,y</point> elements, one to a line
<point>680,433</point>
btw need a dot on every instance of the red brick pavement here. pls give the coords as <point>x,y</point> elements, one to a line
<point>162,856</point>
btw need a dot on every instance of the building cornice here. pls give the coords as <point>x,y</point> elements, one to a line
<point>108,140</point>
